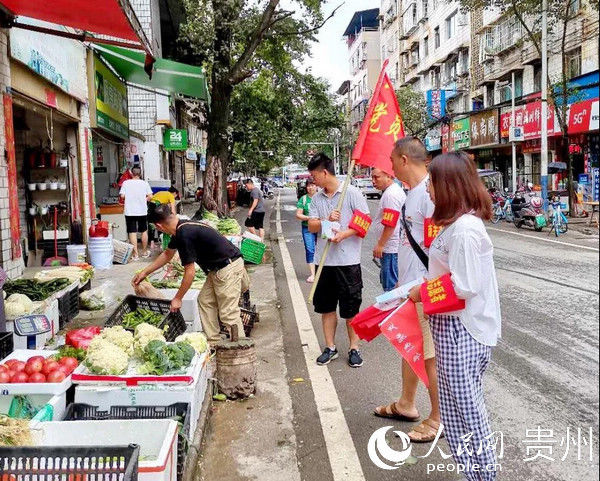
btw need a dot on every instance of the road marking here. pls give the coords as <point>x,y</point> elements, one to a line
<point>343,457</point>
<point>544,240</point>
<point>551,281</point>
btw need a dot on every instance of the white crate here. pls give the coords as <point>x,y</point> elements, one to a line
<point>189,307</point>
<point>157,439</point>
<point>123,251</point>
<point>148,395</point>
<point>33,388</point>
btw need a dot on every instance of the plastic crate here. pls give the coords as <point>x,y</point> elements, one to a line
<point>253,251</point>
<point>122,251</point>
<point>49,463</point>
<point>180,412</point>
<point>6,344</point>
<point>86,287</point>
<point>245,300</point>
<point>68,307</point>
<point>248,319</point>
<point>174,320</point>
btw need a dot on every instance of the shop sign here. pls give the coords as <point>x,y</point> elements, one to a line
<point>111,101</point>
<point>445,138</point>
<point>436,104</point>
<point>484,128</point>
<point>583,116</point>
<point>433,139</point>
<point>461,138</point>
<point>505,120</point>
<point>175,139</point>
<point>596,177</point>
<point>11,167</point>
<point>59,60</point>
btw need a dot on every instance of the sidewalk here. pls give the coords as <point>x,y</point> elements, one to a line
<point>254,439</point>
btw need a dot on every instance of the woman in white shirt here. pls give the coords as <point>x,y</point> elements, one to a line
<point>463,339</point>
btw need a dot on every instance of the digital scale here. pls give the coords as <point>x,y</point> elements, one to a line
<point>30,326</point>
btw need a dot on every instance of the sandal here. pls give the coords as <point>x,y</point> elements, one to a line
<point>391,412</point>
<point>425,432</point>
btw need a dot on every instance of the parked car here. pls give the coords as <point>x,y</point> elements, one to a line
<point>367,188</point>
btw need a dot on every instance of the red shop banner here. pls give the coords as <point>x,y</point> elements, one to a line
<point>583,116</point>
<point>11,164</point>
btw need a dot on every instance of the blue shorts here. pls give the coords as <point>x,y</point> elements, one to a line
<point>310,243</point>
<point>389,271</point>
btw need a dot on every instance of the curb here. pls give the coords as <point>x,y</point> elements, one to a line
<point>193,454</point>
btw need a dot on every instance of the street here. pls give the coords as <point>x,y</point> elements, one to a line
<point>541,387</point>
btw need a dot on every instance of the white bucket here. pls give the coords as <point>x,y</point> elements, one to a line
<point>101,252</point>
<point>76,254</point>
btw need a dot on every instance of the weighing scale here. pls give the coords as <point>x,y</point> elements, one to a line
<point>30,326</point>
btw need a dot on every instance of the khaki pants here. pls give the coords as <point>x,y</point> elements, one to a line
<point>219,299</point>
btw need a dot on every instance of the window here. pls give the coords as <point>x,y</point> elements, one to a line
<point>414,55</point>
<point>425,8</point>
<point>573,62</point>
<point>426,47</point>
<point>537,78</point>
<point>414,13</point>
<point>574,7</point>
<point>518,84</point>
<point>435,4</point>
<point>451,26</point>
<point>489,95</point>
<point>437,37</point>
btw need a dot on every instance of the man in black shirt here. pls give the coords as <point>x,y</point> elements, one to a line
<point>226,276</point>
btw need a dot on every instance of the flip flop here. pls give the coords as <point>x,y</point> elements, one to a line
<point>429,428</point>
<point>391,412</point>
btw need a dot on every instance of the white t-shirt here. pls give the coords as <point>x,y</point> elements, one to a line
<point>418,208</point>
<point>392,198</point>
<point>465,250</point>
<point>135,192</point>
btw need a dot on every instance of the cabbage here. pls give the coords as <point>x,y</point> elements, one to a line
<point>195,339</point>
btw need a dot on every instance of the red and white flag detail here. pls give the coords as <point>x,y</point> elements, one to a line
<point>403,330</point>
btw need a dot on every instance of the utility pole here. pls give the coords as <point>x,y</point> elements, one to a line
<point>544,116</point>
<point>514,145</point>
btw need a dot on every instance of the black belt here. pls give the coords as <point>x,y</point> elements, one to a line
<point>223,264</point>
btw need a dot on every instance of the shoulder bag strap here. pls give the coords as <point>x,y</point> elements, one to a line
<point>424,258</point>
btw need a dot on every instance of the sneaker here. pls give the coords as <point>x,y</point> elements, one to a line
<point>327,356</point>
<point>354,359</point>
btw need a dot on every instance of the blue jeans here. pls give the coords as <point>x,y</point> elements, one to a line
<point>310,242</point>
<point>389,271</point>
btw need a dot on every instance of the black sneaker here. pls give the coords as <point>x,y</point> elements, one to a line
<point>327,356</point>
<point>354,358</point>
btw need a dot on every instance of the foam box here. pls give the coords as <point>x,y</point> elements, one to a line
<point>33,388</point>
<point>189,307</point>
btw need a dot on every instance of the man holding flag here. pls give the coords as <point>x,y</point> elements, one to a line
<point>340,282</point>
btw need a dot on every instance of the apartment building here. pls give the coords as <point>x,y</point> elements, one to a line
<point>390,26</point>
<point>504,63</point>
<point>362,38</point>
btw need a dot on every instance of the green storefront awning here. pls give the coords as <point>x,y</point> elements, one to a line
<point>174,77</point>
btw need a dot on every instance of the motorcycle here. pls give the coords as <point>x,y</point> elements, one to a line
<point>528,211</point>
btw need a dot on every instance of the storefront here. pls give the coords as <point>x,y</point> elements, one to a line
<point>110,137</point>
<point>48,85</point>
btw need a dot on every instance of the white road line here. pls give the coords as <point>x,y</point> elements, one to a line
<point>343,457</point>
<point>544,240</point>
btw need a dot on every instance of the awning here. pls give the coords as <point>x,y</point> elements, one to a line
<point>114,18</point>
<point>175,77</point>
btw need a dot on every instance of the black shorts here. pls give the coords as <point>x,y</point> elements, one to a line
<point>136,223</point>
<point>339,285</point>
<point>256,220</point>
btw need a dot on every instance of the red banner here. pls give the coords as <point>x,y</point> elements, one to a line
<point>381,128</point>
<point>403,330</point>
<point>11,165</point>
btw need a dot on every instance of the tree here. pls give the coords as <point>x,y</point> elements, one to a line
<point>235,40</point>
<point>561,14</point>
<point>414,110</point>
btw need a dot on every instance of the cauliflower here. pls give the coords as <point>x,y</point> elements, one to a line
<point>144,333</point>
<point>105,358</point>
<point>195,339</point>
<point>119,337</point>
<point>18,305</point>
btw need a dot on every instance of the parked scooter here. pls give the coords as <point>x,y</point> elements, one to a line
<point>527,209</point>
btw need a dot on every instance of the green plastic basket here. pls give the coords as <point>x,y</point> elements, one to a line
<point>253,251</point>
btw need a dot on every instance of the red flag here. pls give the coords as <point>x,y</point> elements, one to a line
<point>366,322</point>
<point>381,128</point>
<point>403,330</point>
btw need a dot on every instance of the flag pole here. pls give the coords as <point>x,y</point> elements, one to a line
<point>328,244</point>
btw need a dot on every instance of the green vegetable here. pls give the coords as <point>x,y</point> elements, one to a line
<point>70,351</point>
<point>220,397</point>
<point>229,227</point>
<point>161,357</point>
<point>133,319</point>
<point>35,290</point>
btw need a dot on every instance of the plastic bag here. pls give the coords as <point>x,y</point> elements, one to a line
<point>98,298</point>
<point>81,338</point>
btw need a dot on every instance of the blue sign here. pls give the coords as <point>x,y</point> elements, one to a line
<point>584,179</point>
<point>596,174</point>
<point>436,104</point>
